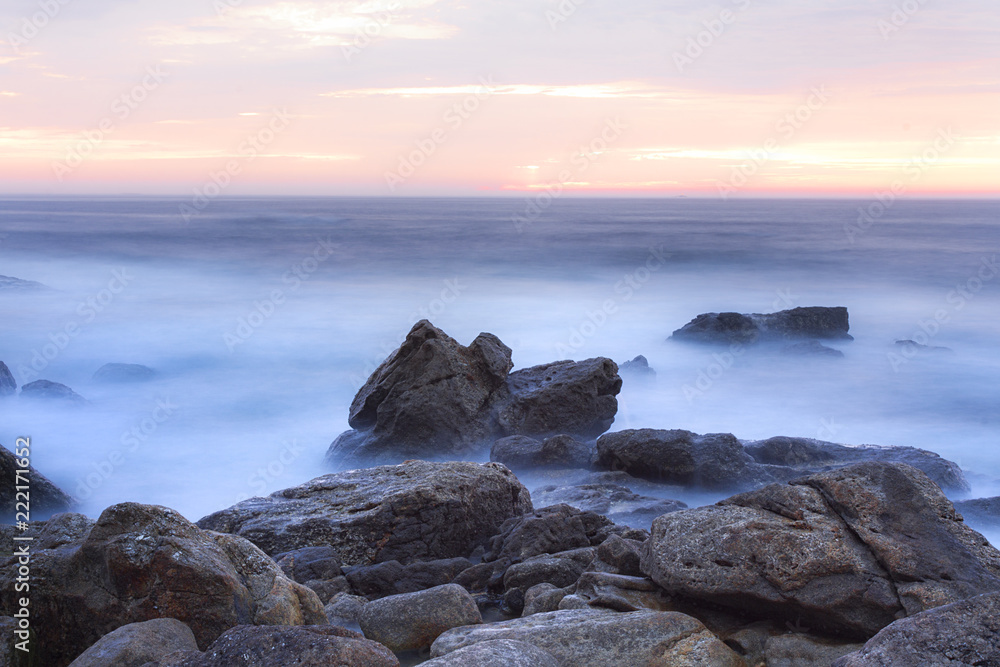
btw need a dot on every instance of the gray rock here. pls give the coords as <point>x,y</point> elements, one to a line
<point>309,563</point>
<point>8,385</point>
<point>598,638</point>
<point>412,621</point>
<point>498,653</point>
<point>713,461</point>
<point>981,511</point>
<point>394,578</point>
<point>519,452</point>
<point>620,592</point>
<point>799,650</point>
<point>797,323</point>
<point>846,552</point>
<point>45,497</point>
<point>549,530</point>
<point>544,597</point>
<point>123,373</point>
<point>44,390</point>
<point>417,510</point>
<point>135,644</point>
<point>638,368</point>
<point>912,347</point>
<point>571,397</point>
<point>555,570</point>
<point>796,457</point>
<point>619,556</point>
<point>614,501</point>
<point>345,606</point>
<point>16,284</point>
<point>963,633</point>
<point>811,348</point>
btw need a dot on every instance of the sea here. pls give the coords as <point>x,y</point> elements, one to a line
<point>263,316</point>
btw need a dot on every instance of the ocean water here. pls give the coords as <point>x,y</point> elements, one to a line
<point>264,316</point>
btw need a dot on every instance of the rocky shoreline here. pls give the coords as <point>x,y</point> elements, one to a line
<point>823,554</point>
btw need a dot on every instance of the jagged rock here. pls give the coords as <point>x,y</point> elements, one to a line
<point>962,633</point>
<point>619,555</point>
<point>546,531</point>
<point>142,562</point>
<point>797,323</point>
<point>847,551</point>
<point>713,461</point>
<point>8,385</point>
<point>598,638</point>
<point>614,501</point>
<point>51,391</point>
<point>576,398</point>
<point>412,621</point>
<point>417,510</point>
<point>982,511</point>
<point>135,644</point>
<point>309,646</point>
<point>519,452</point>
<point>498,653</point>
<point>124,373</point>
<point>802,456</point>
<point>46,498</point>
<point>393,578</point>
<point>620,592</point>
<point>561,570</point>
<point>637,368</point>
<point>309,563</point>
<point>811,348</point>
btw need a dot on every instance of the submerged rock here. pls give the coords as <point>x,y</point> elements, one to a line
<point>519,452</point>
<point>417,510</point>
<point>912,347</point>
<point>46,498</point>
<point>614,501</point>
<point>124,373</point>
<point>811,348</point>
<point>51,391</point>
<point>846,552</point>
<point>8,385</point>
<point>637,368</point>
<point>16,284</point>
<point>797,323</point>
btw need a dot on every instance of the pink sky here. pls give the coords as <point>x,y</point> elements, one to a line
<point>831,97</point>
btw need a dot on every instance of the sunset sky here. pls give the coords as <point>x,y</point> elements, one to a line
<point>471,97</point>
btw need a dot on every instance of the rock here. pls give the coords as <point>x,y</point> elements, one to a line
<point>8,385</point>
<point>962,633</point>
<point>638,368</point>
<point>982,511</point>
<point>620,592</point>
<point>713,461</point>
<point>345,606</point>
<point>51,391</point>
<point>576,398</point>
<point>799,650</point>
<point>136,644</point>
<point>620,556</point>
<point>614,501</point>
<point>845,552</point>
<point>414,511</point>
<point>598,638</point>
<point>309,563</point>
<point>432,398</point>
<point>802,456</point>
<point>497,653</point>
<point>798,323</point>
<point>546,531</point>
<point>519,452</point>
<point>309,646</point>
<point>124,373</point>
<point>556,570</point>
<point>811,348</point>
<point>16,284</point>
<point>46,498</point>
<point>412,621</point>
<point>393,578</point>
<point>544,597</point>
<point>142,562</point>
<point>910,348</point>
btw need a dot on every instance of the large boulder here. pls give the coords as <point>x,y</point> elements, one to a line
<point>417,510</point>
<point>8,385</point>
<point>496,653</point>
<point>961,634</point>
<point>308,646</point>
<point>803,456</point>
<point>845,552</point>
<point>598,638</point>
<point>46,497</point>
<point>412,621</point>
<point>713,461</point>
<point>393,578</point>
<point>119,373</point>
<point>797,323</point>
<point>45,390</point>
<point>135,644</point>
<point>143,562</point>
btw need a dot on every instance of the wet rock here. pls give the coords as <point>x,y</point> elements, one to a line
<point>44,390</point>
<point>638,369</point>
<point>713,461</point>
<point>412,621</point>
<point>136,644</point>
<point>911,348</point>
<point>846,552</point>
<point>560,570</point>
<point>142,562</point>
<point>546,531</point>
<point>414,511</point>
<point>45,497</point>
<point>614,501</point>
<point>18,285</point>
<point>963,633</point>
<point>120,373</point>
<point>498,653</point>
<point>597,638</point>
<point>8,385</point>
<point>394,578</point>
<point>981,511</point>
<point>620,592</point>
<point>797,323</point>
<point>811,348</point>
<point>619,556</point>
<point>520,452</point>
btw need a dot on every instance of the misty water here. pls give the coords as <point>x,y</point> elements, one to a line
<point>264,316</point>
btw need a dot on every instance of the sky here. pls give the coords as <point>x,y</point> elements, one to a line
<point>739,98</point>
